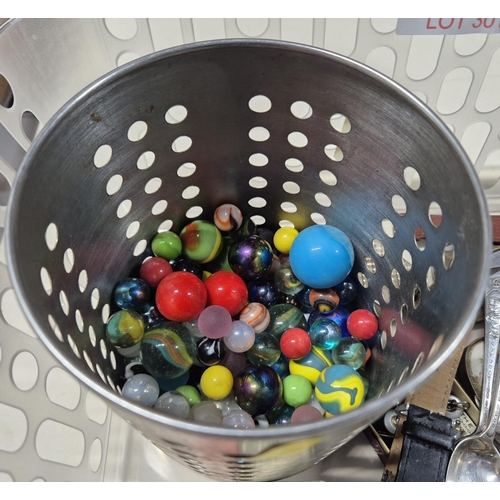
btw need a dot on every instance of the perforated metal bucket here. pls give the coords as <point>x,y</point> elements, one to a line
<point>123,160</point>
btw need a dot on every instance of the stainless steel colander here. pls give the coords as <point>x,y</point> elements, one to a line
<point>291,134</point>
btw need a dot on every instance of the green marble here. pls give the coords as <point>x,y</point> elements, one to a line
<point>191,393</point>
<point>297,390</point>
<point>265,350</point>
<point>283,317</point>
<point>201,241</point>
<point>167,245</point>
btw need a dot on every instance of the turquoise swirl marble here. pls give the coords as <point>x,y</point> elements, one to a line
<point>349,351</point>
<point>339,389</point>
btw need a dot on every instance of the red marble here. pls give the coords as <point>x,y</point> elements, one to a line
<point>153,270</point>
<point>295,343</point>
<point>226,289</point>
<point>181,296</point>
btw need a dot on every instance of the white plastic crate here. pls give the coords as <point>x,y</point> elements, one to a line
<point>51,427</point>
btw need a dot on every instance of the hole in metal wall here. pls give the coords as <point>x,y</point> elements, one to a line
<point>31,125</point>
<point>176,114</point>
<point>6,94</point>
<point>448,255</point>
<point>430,278</point>
<point>260,104</point>
<point>379,248</point>
<point>12,152</point>
<point>301,110</point>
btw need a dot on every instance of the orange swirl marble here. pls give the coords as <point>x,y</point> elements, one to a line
<point>228,217</point>
<point>256,315</point>
<point>168,350</point>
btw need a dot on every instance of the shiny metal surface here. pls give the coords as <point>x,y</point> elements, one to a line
<point>475,457</point>
<point>133,458</point>
<point>491,347</point>
<point>426,297</point>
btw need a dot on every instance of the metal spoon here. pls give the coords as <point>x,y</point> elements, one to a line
<point>475,457</point>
